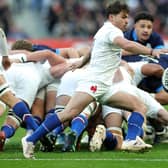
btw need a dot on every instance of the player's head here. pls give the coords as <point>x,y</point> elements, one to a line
<point>143,25</point>
<point>22,45</point>
<point>143,15</point>
<point>117,14</point>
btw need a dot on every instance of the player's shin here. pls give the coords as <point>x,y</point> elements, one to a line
<point>114,138</point>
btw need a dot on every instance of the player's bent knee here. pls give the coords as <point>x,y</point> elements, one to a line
<point>14,118</point>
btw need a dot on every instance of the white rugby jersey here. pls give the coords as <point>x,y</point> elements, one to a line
<point>105,56</point>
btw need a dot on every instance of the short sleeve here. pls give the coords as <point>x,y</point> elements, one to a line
<point>115,33</point>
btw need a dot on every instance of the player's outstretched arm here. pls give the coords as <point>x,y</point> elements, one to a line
<point>137,48</point>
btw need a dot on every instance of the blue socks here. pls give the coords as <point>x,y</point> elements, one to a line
<point>22,111</point>
<point>58,130</point>
<point>37,121</point>
<point>135,122</point>
<point>52,121</point>
<point>111,141</point>
<point>78,124</point>
<point>8,130</point>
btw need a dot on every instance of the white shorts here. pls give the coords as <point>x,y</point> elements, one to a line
<point>152,105</point>
<point>95,89</point>
<point>69,83</point>
<point>24,81</point>
<point>137,67</point>
<point>44,74</point>
<point>106,110</point>
<point>103,94</point>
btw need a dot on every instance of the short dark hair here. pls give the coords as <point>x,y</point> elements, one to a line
<point>143,16</point>
<point>116,8</point>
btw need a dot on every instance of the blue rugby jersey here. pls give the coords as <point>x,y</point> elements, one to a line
<point>155,41</point>
<point>37,47</point>
<point>150,84</point>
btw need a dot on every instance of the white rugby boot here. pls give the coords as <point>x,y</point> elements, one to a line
<point>28,148</point>
<point>135,145</point>
<point>98,138</point>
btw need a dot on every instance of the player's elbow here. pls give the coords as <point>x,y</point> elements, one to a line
<point>47,52</point>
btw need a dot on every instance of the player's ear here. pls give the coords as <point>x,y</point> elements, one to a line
<point>111,17</point>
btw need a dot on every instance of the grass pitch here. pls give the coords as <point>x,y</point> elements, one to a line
<point>12,157</point>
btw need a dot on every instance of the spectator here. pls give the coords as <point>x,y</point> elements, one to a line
<point>6,21</point>
<point>74,18</point>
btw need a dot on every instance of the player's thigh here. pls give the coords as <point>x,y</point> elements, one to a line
<point>113,120</point>
<point>75,106</point>
<point>112,116</point>
<point>126,101</point>
<point>162,97</point>
<point>80,100</point>
<point>124,95</point>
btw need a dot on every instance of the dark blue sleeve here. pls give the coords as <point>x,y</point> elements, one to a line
<point>163,60</point>
<point>156,41</point>
<point>37,47</point>
<point>128,35</point>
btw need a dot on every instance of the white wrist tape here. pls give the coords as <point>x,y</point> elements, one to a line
<point>21,57</point>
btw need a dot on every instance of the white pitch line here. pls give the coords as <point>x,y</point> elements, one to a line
<point>90,159</point>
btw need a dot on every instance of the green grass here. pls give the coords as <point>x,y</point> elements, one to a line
<point>12,157</point>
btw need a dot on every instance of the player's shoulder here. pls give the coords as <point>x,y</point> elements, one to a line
<point>129,34</point>
<point>156,36</point>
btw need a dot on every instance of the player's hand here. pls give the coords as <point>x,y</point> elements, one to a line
<point>6,62</point>
<point>157,52</point>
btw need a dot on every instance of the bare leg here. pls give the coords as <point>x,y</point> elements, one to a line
<point>75,106</point>
<point>113,122</point>
<point>127,101</point>
<point>50,100</point>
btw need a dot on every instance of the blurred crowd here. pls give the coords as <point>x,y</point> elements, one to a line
<point>75,18</point>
